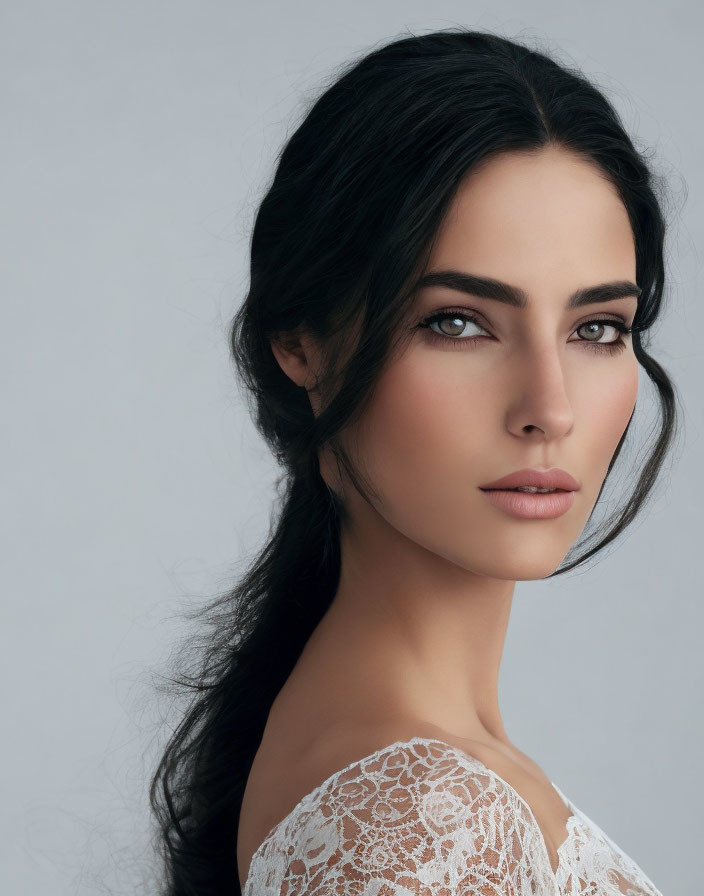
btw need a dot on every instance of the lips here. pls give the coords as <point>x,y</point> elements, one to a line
<point>552,479</point>
<point>531,506</point>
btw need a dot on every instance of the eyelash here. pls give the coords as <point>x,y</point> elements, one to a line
<point>608,347</point>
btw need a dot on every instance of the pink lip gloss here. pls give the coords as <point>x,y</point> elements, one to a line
<point>531,505</point>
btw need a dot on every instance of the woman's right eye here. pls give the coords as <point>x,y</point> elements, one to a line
<point>458,322</point>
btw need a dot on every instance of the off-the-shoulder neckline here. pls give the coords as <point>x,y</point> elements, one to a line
<point>311,795</point>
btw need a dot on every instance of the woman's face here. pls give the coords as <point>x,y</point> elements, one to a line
<point>520,387</point>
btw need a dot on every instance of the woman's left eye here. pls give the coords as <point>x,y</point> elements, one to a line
<point>461,319</point>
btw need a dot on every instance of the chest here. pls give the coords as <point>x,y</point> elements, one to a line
<point>534,788</point>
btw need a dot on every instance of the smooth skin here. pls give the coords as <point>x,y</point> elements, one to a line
<point>413,640</point>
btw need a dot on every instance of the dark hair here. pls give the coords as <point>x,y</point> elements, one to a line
<point>341,236</point>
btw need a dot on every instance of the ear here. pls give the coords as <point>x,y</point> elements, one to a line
<point>298,356</point>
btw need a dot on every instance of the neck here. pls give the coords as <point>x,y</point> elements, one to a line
<point>411,635</point>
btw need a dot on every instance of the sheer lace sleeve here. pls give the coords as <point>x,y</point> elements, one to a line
<point>417,819</point>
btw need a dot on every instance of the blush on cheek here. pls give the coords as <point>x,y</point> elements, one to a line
<point>620,402</point>
<point>606,417</point>
<point>424,422</point>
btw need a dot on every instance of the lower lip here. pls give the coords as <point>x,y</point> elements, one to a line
<point>531,505</point>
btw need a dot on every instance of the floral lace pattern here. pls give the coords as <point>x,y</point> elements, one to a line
<point>423,818</point>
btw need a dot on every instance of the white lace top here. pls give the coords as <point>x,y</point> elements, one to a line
<point>423,818</point>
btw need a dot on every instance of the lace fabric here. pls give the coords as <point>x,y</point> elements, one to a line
<point>423,818</point>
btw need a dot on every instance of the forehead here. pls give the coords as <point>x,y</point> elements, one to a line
<point>534,218</point>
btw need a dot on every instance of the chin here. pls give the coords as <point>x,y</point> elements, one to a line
<point>513,569</point>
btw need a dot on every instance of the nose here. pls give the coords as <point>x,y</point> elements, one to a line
<point>540,397</point>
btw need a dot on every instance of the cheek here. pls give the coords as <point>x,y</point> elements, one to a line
<point>603,416</point>
<point>426,437</point>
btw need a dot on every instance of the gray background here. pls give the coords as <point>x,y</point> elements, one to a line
<point>137,140</point>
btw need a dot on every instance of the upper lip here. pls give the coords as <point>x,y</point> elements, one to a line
<point>554,478</point>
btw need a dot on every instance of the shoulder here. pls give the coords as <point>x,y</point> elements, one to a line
<point>415,811</point>
<point>420,783</point>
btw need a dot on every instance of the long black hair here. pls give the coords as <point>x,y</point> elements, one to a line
<point>345,228</point>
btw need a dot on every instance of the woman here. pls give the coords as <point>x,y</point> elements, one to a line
<point>451,273</point>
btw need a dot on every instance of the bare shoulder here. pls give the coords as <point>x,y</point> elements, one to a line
<point>277,781</point>
<point>289,766</point>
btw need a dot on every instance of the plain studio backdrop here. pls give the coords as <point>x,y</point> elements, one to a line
<point>137,140</point>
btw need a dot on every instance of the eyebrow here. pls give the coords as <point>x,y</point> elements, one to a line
<point>488,288</point>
